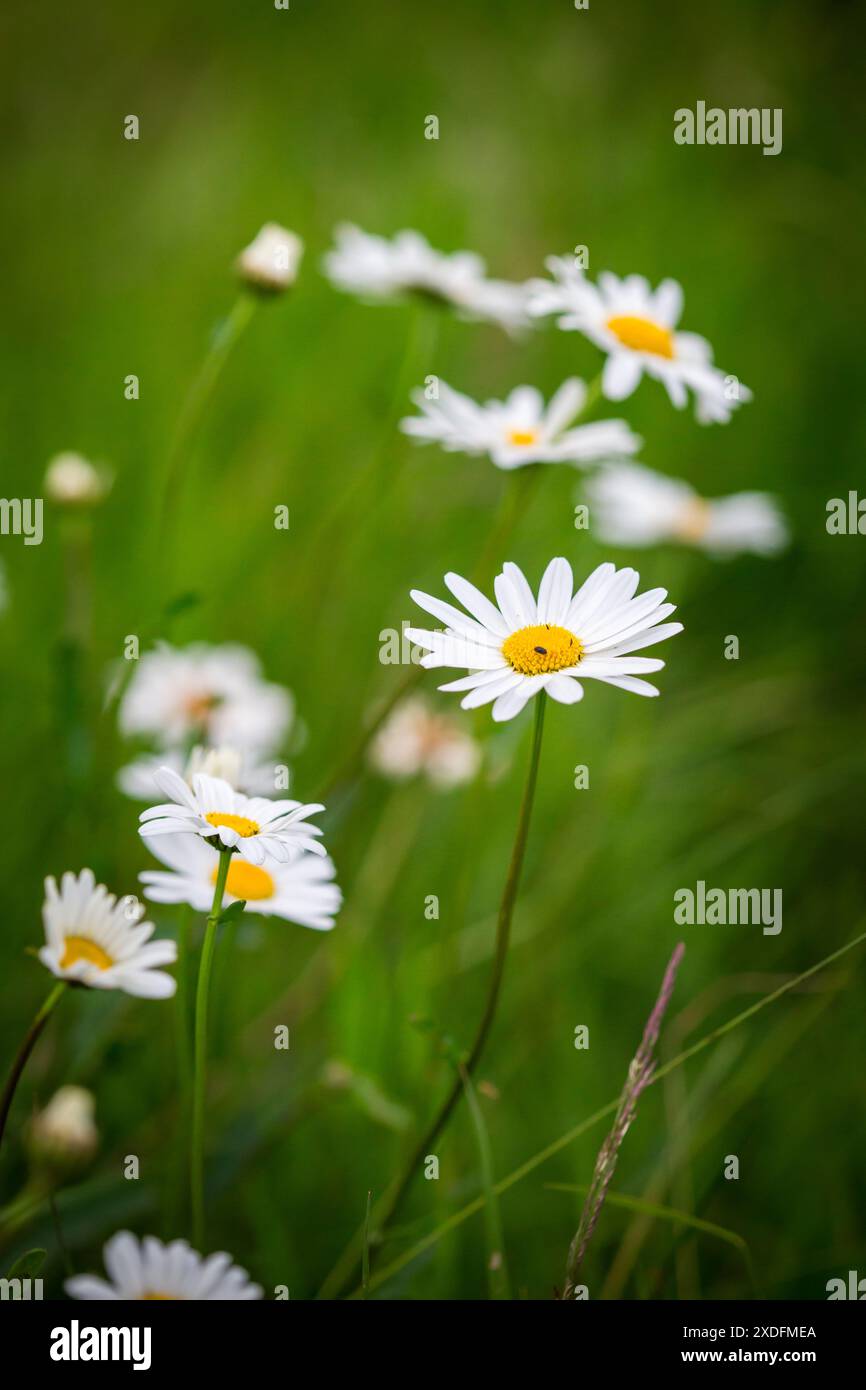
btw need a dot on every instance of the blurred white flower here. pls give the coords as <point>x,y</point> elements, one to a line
<point>632,505</point>
<point>524,645</point>
<point>418,739</point>
<point>206,694</point>
<point>258,829</point>
<point>138,780</point>
<point>302,891</point>
<point>94,940</point>
<point>73,481</point>
<point>521,429</point>
<point>147,1270</point>
<point>377,269</point>
<point>271,261</point>
<point>64,1132</point>
<point>636,326</point>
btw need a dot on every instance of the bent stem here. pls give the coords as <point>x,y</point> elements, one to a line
<point>31,1038</point>
<point>196,1173</point>
<point>393,1198</point>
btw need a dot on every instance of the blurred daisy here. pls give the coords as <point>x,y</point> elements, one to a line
<point>94,940</point>
<point>377,269</point>
<point>73,481</point>
<point>138,778</point>
<point>632,505</point>
<point>418,739</point>
<point>636,326</point>
<point>147,1270</point>
<point>64,1132</point>
<point>270,262</point>
<point>205,694</point>
<point>302,891</point>
<point>521,645</point>
<point>257,828</point>
<point>521,429</point>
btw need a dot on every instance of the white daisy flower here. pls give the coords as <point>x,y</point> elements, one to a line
<point>138,778</point>
<point>636,326</point>
<point>521,429</point>
<point>270,262</point>
<point>417,739</point>
<point>524,645</point>
<point>632,505</point>
<point>378,269</point>
<point>258,829</point>
<point>94,940</point>
<point>206,694</point>
<point>302,891</point>
<point>149,1271</point>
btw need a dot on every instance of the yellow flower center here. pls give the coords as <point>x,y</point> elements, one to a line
<point>642,335</point>
<point>78,948</point>
<point>247,881</point>
<point>693,520</point>
<point>543,647</point>
<point>522,438</point>
<point>242,824</point>
<point>160,1298</point>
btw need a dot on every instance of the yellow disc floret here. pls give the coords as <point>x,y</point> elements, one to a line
<point>242,824</point>
<point>522,439</point>
<point>247,881</point>
<point>536,650</point>
<point>642,335</point>
<point>78,948</point>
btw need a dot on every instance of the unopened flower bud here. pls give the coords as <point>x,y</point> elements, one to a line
<point>270,263</point>
<point>73,481</point>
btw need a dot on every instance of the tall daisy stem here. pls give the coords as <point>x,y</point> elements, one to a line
<point>393,1198</point>
<point>196,1173</point>
<point>31,1038</point>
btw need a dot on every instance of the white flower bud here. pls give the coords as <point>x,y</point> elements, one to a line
<point>65,1132</point>
<point>73,481</point>
<point>270,263</point>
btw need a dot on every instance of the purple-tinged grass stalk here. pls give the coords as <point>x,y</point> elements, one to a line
<point>640,1074</point>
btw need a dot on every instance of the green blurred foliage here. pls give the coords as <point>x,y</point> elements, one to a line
<point>555,130</point>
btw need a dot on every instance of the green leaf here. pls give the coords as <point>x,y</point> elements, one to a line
<point>231,914</point>
<point>28,1265</point>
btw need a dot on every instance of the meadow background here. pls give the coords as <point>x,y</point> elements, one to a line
<point>555,129</point>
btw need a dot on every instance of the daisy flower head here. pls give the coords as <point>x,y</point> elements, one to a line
<point>270,263</point>
<point>636,326</point>
<point>92,939</point>
<point>380,270</point>
<point>520,430</point>
<point>149,1271</point>
<point>521,644</point>
<point>632,505</point>
<point>244,773</point>
<point>302,891</point>
<point>205,694</point>
<point>417,739</point>
<point>256,828</point>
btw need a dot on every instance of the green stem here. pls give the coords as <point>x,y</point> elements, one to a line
<point>30,1040</point>
<point>200,1055</point>
<point>393,1198</point>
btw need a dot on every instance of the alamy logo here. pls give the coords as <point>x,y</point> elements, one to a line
<point>22,516</point>
<point>854,1288</point>
<point>737,126</point>
<point>20,1289</point>
<point>736,906</point>
<point>76,1343</point>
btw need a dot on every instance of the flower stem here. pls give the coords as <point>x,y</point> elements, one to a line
<point>200,1053</point>
<point>30,1040</point>
<point>394,1196</point>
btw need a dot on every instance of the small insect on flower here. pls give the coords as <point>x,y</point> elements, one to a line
<point>381,270</point>
<point>520,430</point>
<point>258,829</point>
<point>148,1271</point>
<point>519,646</point>
<point>632,505</point>
<point>94,940</point>
<point>302,891</point>
<point>636,326</point>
